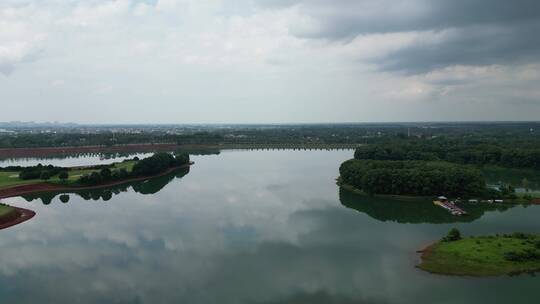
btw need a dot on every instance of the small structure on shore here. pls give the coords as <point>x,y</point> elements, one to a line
<point>442,201</point>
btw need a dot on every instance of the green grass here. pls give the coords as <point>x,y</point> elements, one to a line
<point>479,256</point>
<point>5,210</point>
<point>10,179</point>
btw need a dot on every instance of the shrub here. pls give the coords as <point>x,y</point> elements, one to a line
<point>523,256</point>
<point>182,159</point>
<point>45,175</point>
<point>520,235</point>
<point>105,174</point>
<point>512,256</point>
<point>453,235</point>
<point>27,174</point>
<point>63,175</point>
<point>95,178</point>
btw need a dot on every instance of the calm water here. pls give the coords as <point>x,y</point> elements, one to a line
<point>243,227</point>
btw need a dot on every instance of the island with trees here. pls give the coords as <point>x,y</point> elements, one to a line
<point>17,180</point>
<point>439,166</point>
<point>482,256</point>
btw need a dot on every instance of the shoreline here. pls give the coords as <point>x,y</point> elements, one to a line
<point>51,151</point>
<point>406,198</point>
<point>48,187</point>
<point>403,198</point>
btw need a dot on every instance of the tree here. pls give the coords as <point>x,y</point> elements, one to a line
<point>453,235</point>
<point>105,174</point>
<point>154,164</point>
<point>63,176</point>
<point>45,175</point>
<point>182,159</point>
<point>95,178</point>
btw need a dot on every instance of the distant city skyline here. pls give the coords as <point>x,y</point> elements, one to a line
<point>269,61</point>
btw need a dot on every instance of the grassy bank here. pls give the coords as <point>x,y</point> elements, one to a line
<point>484,255</point>
<point>11,178</point>
<point>5,210</point>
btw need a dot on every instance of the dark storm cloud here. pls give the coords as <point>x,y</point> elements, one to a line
<point>483,32</point>
<point>473,46</point>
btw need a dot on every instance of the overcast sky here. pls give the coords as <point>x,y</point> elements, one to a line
<point>249,61</point>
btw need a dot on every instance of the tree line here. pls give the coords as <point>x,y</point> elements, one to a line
<point>155,164</point>
<point>412,178</point>
<point>506,152</point>
<point>492,134</point>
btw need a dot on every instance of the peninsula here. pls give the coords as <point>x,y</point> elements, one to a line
<point>482,256</point>
<point>17,180</point>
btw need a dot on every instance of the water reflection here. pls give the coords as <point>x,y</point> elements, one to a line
<point>413,212</point>
<point>523,180</point>
<point>241,227</point>
<point>149,186</point>
<point>72,159</point>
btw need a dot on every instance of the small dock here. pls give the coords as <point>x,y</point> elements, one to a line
<point>449,206</point>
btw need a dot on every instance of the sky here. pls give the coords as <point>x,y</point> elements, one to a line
<point>269,61</point>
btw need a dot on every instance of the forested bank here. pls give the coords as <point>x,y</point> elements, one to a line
<point>417,178</point>
<point>448,165</point>
<point>506,151</point>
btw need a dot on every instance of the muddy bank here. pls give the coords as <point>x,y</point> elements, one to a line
<point>19,215</point>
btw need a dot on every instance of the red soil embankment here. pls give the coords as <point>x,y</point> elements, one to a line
<point>18,216</point>
<point>46,151</point>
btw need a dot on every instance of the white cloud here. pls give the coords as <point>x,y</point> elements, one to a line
<point>19,41</point>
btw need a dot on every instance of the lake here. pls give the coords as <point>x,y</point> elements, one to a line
<point>243,227</point>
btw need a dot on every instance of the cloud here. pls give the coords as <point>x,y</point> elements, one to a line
<point>461,32</point>
<point>345,60</point>
<point>19,41</point>
<point>472,46</point>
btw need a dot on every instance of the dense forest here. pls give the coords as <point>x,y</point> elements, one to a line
<point>445,164</point>
<point>504,151</point>
<point>412,178</point>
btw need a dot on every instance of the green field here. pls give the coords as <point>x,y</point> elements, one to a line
<point>10,179</point>
<point>4,210</point>
<point>482,256</point>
